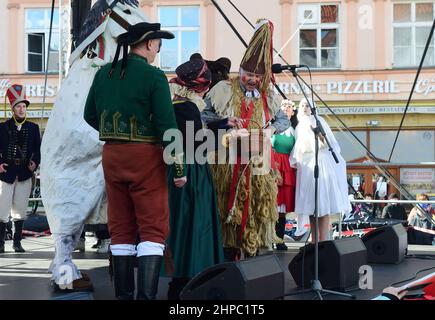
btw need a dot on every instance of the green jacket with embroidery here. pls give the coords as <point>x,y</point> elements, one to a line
<point>137,108</point>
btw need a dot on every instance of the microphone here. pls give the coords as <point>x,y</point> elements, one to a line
<point>278,68</point>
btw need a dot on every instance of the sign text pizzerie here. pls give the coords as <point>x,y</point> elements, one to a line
<point>424,87</point>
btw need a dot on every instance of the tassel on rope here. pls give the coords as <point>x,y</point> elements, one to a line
<point>124,61</point>
<point>115,60</point>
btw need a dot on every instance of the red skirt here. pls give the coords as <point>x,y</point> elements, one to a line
<point>286,192</point>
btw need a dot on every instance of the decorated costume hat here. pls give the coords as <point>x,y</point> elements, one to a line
<point>16,94</point>
<point>135,34</point>
<point>221,64</point>
<point>258,57</point>
<point>193,74</point>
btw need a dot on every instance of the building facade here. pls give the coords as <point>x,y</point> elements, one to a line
<point>363,56</point>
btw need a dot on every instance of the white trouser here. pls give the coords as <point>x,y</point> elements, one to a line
<point>146,248</point>
<point>14,198</point>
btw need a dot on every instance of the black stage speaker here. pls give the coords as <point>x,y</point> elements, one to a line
<point>339,263</point>
<point>259,278</point>
<point>387,244</point>
<point>418,237</point>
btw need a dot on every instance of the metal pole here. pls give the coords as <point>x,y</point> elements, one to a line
<point>48,60</point>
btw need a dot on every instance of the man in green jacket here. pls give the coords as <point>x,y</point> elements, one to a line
<point>130,105</point>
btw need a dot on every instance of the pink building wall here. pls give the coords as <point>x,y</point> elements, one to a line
<point>365,42</point>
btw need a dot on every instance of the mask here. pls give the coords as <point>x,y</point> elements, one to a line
<point>250,81</point>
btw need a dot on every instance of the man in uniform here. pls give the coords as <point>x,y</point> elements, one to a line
<point>19,157</point>
<point>130,105</point>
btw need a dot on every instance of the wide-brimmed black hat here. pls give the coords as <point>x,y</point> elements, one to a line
<point>135,34</point>
<point>219,69</point>
<point>223,64</point>
<point>144,31</point>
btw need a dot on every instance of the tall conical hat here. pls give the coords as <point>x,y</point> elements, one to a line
<point>258,57</point>
<point>16,94</point>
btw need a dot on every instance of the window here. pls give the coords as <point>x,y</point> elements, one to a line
<point>184,23</point>
<point>37,35</point>
<point>411,26</point>
<point>411,147</point>
<point>319,35</point>
<point>350,148</point>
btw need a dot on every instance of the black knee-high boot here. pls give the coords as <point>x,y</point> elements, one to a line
<point>280,230</point>
<point>148,272</point>
<point>18,235</point>
<point>123,272</point>
<point>2,236</point>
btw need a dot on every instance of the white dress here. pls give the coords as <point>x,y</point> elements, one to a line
<point>333,190</point>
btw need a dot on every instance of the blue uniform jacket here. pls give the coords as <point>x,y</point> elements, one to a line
<point>17,148</point>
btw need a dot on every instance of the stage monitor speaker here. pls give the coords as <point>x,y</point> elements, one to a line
<point>387,244</point>
<point>339,263</point>
<point>258,278</point>
<point>418,237</point>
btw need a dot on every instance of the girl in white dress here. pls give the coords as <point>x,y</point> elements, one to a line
<point>332,183</point>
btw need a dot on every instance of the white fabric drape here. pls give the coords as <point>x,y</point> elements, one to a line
<point>63,270</point>
<point>332,183</point>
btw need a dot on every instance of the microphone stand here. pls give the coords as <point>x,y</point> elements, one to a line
<point>316,286</point>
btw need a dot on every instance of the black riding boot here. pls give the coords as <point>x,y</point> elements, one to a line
<point>280,230</point>
<point>2,236</point>
<point>18,225</point>
<point>148,272</point>
<point>123,272</point>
